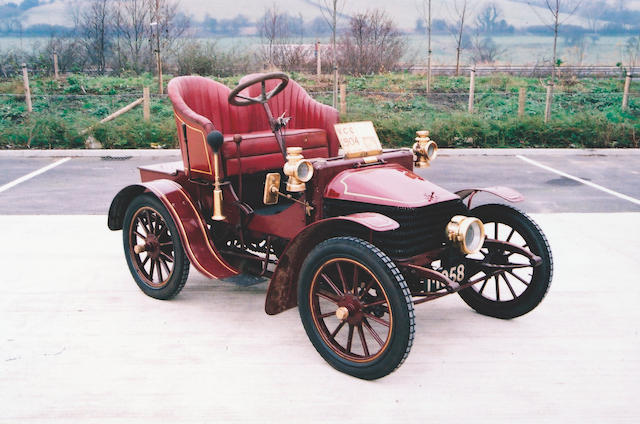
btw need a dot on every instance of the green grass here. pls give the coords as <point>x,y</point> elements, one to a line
<point>586,112</point>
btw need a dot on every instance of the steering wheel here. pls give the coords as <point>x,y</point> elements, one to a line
<point>237,99</point>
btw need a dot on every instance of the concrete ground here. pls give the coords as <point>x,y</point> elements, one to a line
<point>79,342</point>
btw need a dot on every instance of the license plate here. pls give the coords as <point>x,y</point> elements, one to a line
<point>454,273</point>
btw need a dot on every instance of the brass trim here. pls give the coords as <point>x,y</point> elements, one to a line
<point>204,142</point>
<point>457,229</point>
<point>295,160</point>
<point>425,149</point>
<point>271,188</point>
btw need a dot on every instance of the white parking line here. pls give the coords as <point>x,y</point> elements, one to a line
<point>33,174</point>
<point>580,180</point>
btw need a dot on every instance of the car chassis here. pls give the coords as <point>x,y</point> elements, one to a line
<point>354,240</point>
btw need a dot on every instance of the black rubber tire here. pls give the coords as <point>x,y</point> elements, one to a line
<point>540,280</point>
<point>180,270</point>
<point>400,306</point>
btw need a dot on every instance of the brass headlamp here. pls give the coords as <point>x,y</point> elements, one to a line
<point>467,233</point>
<point>425,149</point>
<point>298,169</point>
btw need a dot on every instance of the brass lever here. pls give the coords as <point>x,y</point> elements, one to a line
<point>215,140</point>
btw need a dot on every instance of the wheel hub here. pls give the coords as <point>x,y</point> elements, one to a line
<point>152,246</point>
<point>350,309</point>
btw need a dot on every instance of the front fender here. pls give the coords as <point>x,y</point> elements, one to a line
<point>505,193</point>
<point>190,224</point>
<point>282,293</point>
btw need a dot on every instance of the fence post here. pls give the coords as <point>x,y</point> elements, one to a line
<point>472,89</point>
<point>55,65</point>
<point>625,95</point>
<point>343,98</point>
<point>146,104</point>
<point>27,90</point>
<point>547,105</point>
<point>522,96</point>
<point>318,60</point>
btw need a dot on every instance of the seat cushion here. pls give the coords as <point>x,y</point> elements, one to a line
<point>259,151</point>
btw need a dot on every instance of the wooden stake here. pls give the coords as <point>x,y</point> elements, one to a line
<point>27,90</point>
<point>625,95</point>
<point>146,104</point>
<point>318,60</point>
<point>343,98</point>
<point>472,89</point>
<point>55,65</point>
<point>117,113</point>
<point>547,106</point>
<point>522,97</point>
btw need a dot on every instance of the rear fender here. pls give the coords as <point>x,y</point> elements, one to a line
<point>282,293</point>
<point>505,193</point>
<point>189,222</point>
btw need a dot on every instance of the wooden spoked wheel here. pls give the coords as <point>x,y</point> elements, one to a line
<point>509,285</point>
<point>356,307</point>
<point>153,248</point>
<point>351,309</point>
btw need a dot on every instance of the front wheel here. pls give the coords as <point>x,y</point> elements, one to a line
<point>153,248</point>
<point>510,286</point>
<point>356,307</point>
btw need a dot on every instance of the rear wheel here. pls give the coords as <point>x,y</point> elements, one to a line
<point>356,308</point>
<point>513,287</point>
<point>153,248</point>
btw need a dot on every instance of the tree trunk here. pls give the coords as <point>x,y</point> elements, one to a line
<point>429,50</point>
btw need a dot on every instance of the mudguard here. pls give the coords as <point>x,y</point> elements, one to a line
<point>191,226</point>
<point>282,293</point>
<point>505,193</point>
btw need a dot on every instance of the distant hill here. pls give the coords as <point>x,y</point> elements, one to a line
<point>516,12</point>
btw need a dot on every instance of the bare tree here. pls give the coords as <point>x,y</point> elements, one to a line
<point>372,44</point>
<point>94,22</point>
<point>593,12</point>
<point>485,50</point>
<point>330,10</point>
<point>632,52</point>
<point>555,9</point>
<point>272,28</point>
<point>425,12</point>
<point>488,18</point>
<point>460,14</point>
<point>133,33</point>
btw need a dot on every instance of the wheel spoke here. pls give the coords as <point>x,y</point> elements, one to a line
<point>373,332</point>
<point>326,278</point>
<point>495,226</point>
<point>327,314</point>
<point>166,267</point>
<point>376,319</point>
<point>150,221</point>
<point>159,268</point>
<point>504,277</point>
<point>327,296</point>
<point>146,260</point>
<point>486,280</point>
<point>495,277</point>
<point>518,277</point>
<point>513,230</point>
<point>167,257</point>
<point>338,328</point>
<point>355,275</point>
<point>350,338</point>
<point>363,341</point>
<point>153,263</point>
<point>366,288</point>
<point>140,235</point>
<point>342,279</point>
<point>376,303</point>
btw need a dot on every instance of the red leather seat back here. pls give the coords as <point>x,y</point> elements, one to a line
<point>201,105</point>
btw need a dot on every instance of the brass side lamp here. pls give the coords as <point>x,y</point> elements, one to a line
<point>425,149</point>
<point>298,169</point>
<point>215,140</point>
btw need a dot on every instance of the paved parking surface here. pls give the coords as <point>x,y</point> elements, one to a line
<point>80,343</point>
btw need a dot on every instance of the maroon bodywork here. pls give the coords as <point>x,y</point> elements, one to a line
<point>185,188</point>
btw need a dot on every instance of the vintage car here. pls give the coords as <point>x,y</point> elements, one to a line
<point>271,186</point>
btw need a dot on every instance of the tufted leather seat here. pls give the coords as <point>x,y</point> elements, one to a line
<point>201,105</point>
